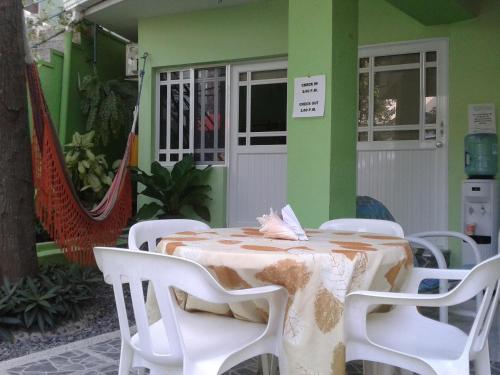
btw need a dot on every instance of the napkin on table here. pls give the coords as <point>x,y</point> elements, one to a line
<point>292,221</point>
<point>286,228</point>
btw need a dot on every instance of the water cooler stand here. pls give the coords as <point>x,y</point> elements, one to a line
<point>480,217</point>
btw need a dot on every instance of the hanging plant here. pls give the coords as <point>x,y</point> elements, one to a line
<point>108,105</point>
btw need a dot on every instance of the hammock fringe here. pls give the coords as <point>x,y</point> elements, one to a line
<point>74,229</point>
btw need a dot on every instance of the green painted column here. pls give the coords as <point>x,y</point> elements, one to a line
<point>65,86</point>
<point>322,39</point>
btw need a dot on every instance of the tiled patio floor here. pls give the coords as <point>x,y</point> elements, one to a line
<point>99,359</point>
<point>95,356</point>
<point>99,356</point>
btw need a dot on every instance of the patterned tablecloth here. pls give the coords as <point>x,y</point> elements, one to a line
<point>318,275</point>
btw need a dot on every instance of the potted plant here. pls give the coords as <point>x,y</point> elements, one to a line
<point>174,190</point>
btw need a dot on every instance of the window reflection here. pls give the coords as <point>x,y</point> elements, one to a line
<point>397,97</point>
<point>209,119</point>
<point>393,102</point>
<point>208,103</point>
<point>163,117</point>
<point>363,103</point>
<point>396,135</point>
<point>174,117</point>
<point>268,107</point>
<point>397,59</point>
<point>364,62</point>
<point>430,96</point>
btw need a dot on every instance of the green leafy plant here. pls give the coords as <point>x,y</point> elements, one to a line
<point>108,105</point>
<point>5,323</point>
<point>42,301</point>
<point>175,190</point>
<point>37,304</point>
<point>90,173</point>
<point>8,302</point>
<point>77,287</point>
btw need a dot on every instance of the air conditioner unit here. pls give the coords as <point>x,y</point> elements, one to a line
<point>132,60</point>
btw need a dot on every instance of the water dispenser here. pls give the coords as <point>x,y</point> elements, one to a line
<point>480,217</point>
<point>481,155</point>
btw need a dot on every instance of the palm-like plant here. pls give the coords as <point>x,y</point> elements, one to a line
<point>182,187</point>
<point>108,106</point>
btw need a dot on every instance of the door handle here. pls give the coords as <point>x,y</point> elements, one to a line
<point>439,144</point>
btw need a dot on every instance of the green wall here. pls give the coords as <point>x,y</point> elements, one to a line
<point>59,79</point>
<point>251,31</point>
<point>321,150</point>
<point>474,78</point>
<point>343,159</point>
<point>260,30</point>
<point>51,80</point>
<point>110,62</point>
<point>474,75</point>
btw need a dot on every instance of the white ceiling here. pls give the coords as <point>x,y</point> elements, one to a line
<point>121,16</point>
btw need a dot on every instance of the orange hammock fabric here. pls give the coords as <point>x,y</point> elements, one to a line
<point>75,229</point>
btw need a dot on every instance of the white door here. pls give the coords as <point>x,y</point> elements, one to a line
<point>402,128</point>
<point>258,155</point>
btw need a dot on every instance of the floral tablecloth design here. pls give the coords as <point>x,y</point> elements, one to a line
<point>318,275</point>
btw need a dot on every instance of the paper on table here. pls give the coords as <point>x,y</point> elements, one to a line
<point>292,221</point>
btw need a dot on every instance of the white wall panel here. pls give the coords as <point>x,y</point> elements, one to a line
<point>410,183</point>
<point>260,184</point>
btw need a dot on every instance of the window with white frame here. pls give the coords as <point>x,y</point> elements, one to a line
<point>262,108</point>
<point>398,97</point>
<point>191,115</point>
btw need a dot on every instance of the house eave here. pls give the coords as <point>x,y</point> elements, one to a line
<point>438,12</point>
<point>122,16</point>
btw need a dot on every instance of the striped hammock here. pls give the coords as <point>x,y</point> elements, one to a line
<point>75,229</point>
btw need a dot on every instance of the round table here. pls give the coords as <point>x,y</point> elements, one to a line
<point>317,273</point>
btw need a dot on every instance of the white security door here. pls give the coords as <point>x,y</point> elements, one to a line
<point>402,148</point>
<point>258,155</point>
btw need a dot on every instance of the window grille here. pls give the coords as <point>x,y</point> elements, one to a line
<point>191,115</point>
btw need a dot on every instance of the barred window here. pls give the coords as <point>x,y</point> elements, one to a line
<point>191,115</point>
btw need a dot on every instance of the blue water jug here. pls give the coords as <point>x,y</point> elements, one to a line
<point>481,155</point>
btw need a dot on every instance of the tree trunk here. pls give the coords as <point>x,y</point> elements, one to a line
<point>17,217</point>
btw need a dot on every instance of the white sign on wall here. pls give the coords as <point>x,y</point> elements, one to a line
<point>482,118</point>
<point>309,96</point>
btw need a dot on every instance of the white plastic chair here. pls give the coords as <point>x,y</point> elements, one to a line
<point>405,338</point>
<point>384,227</point>
<point>181,342</point>
<point>443,285</point>
<point>151,230</point>
<point>441,264</point>
<point>457,235</point>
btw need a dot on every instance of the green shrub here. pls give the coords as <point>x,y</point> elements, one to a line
<point>183,187</point>
<point>42,301</point>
